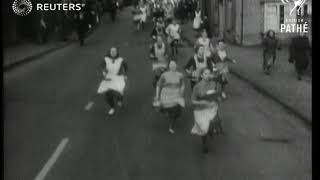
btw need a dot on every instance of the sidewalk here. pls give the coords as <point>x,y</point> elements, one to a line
<point>27,51</point>
<point>282,85</point>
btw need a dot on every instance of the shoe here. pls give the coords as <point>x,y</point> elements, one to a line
<point>171,131</point>
<point>223,94</point>
<point>111,111</point>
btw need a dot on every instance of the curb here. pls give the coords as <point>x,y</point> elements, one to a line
<point>32,57</point>
<point>28,59</point>
<point>305,120</point>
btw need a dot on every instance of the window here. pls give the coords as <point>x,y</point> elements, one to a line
<point>305,10</point>
<point>281,14</point>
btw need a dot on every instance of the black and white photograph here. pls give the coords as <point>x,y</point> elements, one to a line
<point>157,89</point>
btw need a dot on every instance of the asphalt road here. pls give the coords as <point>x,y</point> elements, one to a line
<point>49,135</point>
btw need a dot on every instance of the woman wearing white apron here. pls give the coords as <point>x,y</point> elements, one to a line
<point>205,100</point>
<point>158,30</point>
<point>143,9</point>
<point>158,53</point>
<point>173,30</point>
<point>197,20</point>
<point>137,17</point>
<point>196,63</point>
<point>169,94</point>
<point>114,70</point>
<point>220,60</point>
<point>205,42</point>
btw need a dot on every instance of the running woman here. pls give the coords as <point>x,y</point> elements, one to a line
<point>205,100</point>
<point>205,42</point>
<point>169,94</point>
<point>197,20</point>
<point>197,62</point>
<point>220,61</point>
<point>158,52</point>
<point>158,30</point>
<point>143,9</point>
<point>174,34</point>
<point>137,17</point>
<point>114,70</point>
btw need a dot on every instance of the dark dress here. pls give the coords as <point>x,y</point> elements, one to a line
<point>206,25</point>
<point>112,96</point>
<point>192,65</point>
<point>300,53</point>
<point>82,27</point>
<point>270,46</point>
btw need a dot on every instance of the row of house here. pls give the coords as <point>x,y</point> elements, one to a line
<point>243,21</point>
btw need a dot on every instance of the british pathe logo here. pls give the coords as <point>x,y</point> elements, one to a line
<point>297,4</point>
<point>22,7</point>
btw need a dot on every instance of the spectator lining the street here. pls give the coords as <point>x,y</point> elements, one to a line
<point>270,46</point>
<point>82,27</point>
<point>169,94</point>
<point>114,70</point>
<point>300,54</point>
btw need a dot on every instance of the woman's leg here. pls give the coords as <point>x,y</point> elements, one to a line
<point>264,63</point>
<point>175,114</point>
<point>176,46</point>
<point>274,59</point>
<point>172,48</point>
<point>192,83</point>
<point>223,83</point>
<point>204,140</point>
<point>109,97</point>
<point>299,70</point>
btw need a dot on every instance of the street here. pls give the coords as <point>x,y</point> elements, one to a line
<point>44,105</point>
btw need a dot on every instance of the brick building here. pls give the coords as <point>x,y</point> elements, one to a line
<point>243,21</point>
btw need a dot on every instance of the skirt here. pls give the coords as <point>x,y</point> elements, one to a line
<point>170,97</point>
<point>203,119</point>
<point>116,83</point>
<point>196,23</point>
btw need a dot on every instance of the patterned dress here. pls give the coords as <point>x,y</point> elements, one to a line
<point>170,83</point>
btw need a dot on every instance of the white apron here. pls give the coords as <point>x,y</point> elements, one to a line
<point>197,20</point>
<point>113,81</point>
<point>202,120</point>
<point>199,66</point>
<point>170,93</point>
<point>173,32</point>
<point>160,52</point>
<point>144,14</point>
<point>206,44</point>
